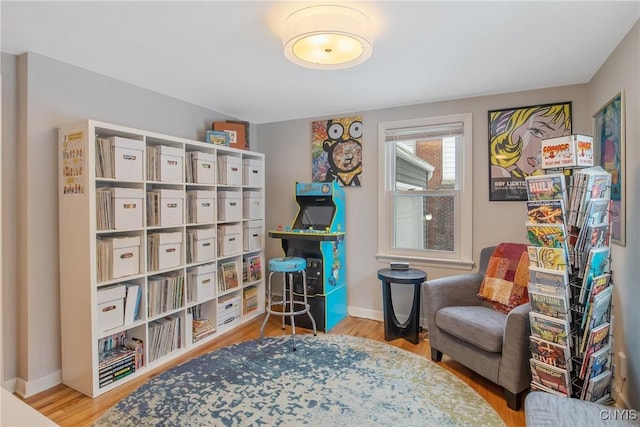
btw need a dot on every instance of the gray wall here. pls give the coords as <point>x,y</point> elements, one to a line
<point>41,94</point>
<point>621,71</point>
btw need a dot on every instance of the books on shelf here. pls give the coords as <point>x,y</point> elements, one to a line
<point>132,303</point>
<point>165,293</point>
<point>254,268</point>
<point>250,299</point>
<point>229,276</point>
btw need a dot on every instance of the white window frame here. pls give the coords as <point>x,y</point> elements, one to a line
<point>462,256</point>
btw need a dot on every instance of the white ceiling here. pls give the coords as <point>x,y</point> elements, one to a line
<point>227,56</point>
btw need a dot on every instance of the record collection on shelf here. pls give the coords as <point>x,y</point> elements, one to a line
<point>570,287</point>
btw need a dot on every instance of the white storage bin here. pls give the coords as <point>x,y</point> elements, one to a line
<point>203,282</point>
<point>127,208</point>
<point>171,163</point>
<point>252,173</point>
<point>111,307</point>
<point>165,207</point>
<point>126,256</point>
<point>228,310</point>
<point>229,208</point>
<point>201,206</point>
<point>203,167</point>
<point>252,204</point>
<point>202,245</point>
<point>229,170</point>
<point>229,239</point>
<point>169,250</point>
<point>127,158</point>
<point>252,235</point>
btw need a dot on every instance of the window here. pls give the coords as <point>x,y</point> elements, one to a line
<point>424,199</point>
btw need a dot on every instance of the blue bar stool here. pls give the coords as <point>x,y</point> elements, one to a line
<point>288,266</point>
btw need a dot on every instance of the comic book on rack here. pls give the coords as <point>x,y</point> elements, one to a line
<point>597,264</point>
<point>549,328</point>
<point>597,314</point>
<point>599,362</point>
<point>548,236</point>
<point>547,258</point>
<point>598,185</point>
<point>550,376</point>
<point>599,387</point>
<point>548,278</point>
<point>546,187</point>
<point>550,353</point>
<point>598,284</point>
<point>554,305</point>
<point>590,236</point>
<point>598,338</point>
<point>546,211</point>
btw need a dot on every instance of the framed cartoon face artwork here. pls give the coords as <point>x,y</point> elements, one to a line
<point>515,136</point>
<point>337,151</point>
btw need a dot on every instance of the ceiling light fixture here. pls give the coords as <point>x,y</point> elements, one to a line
<point>327,37</point>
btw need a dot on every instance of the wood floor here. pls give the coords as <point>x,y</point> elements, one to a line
<point>67,407</point>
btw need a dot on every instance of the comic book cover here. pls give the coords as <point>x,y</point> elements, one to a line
<point>549,328</point>
<point>597,314</point>
<point>546,211</point>
<point>598,284</point>
<point>599,362</point>
<point>550,353</point>
<point>547,258</point>
<point>546,235</point>
<point>550,305</point>
<point>550,278</point>
<point>598,338</point>
<point>550,376</point>
<point>546,187</point>
<point>597,264</point>
<point>599,387</point>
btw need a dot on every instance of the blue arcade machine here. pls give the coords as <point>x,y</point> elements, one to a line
<point>317,234</point>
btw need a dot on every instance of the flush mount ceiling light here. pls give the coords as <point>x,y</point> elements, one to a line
<point>327,37</point>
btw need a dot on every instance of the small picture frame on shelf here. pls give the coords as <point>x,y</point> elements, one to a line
<point>217,137</point>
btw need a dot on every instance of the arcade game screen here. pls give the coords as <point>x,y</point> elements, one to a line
<point>317,216</point>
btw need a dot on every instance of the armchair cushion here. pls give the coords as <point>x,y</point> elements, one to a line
<point>505,281</point>
<point>477,325</point>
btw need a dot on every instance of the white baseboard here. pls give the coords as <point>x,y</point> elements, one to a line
<point>27,389</point>
<point>378,315</point>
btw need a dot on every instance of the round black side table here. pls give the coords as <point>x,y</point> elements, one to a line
<point>410,328</point>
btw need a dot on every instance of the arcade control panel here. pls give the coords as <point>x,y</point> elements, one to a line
<point>302,233</point>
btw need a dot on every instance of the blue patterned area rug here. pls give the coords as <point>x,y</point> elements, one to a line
<point>331,380</point>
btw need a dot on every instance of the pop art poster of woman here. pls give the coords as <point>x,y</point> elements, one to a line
<point>337,151</point>
<point>515,137</point>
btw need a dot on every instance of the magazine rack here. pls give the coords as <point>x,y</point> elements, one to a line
<point>570,286</point>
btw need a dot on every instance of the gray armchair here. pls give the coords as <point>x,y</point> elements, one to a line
<point>467,329</point>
